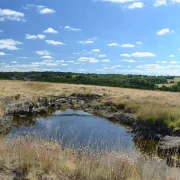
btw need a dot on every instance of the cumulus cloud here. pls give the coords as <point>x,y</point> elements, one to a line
<point>117,1</point>
<point>136,5</point>
<point>158,3</point>
<point>55,43</point>
<point>162,62</point>
<point>102,55</point>
<point>3,54</point>
<point>22,57</point>
<point>175,62</point>
<point>143,54</point>
<point>125,55</point>
<point>163,31</point>
<point>138,42</point>
<point>39,36</point>
<point>175,1</point>
<point>128,45</point>
<point>88,59</point>
<point>96,50</point>
<point>40,8</point>
<point>43,53</point>
<point>50,30</point>
<point>9,44</point>
<point>86,42</point>
<point>46,11</point>
<point>113,44</point>
<point>70,61</point>
<point>113,67</point>
<point>172,56</point>
<point>105,60</point>
<point>46,57</point>
<point>72,29</point>
<point>128,60</point>
<point>8,14</point>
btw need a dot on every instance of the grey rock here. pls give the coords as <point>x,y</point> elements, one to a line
<point>169,145</point>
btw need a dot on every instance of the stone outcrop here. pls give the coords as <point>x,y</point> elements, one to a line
<point>169,145</point>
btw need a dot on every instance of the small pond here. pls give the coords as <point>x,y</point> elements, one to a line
<point>78,129</point>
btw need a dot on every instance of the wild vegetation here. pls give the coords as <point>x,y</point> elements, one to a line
<point>148,106</point>
<point>33,158</point>
<point>37,159</point>
<point>112,80</point>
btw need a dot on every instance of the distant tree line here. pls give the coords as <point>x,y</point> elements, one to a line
<point>113,80</point>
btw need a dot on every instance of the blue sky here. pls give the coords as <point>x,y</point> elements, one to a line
<point>91,36</point>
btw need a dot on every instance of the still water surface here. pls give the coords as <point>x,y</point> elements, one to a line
<point>77,129</point>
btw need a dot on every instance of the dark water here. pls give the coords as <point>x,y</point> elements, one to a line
<point>77,129</point>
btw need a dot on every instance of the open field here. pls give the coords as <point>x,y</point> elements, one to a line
<point>176,80</point>
<point>141,102</point>
<point>36,159</point>
<point>170,84</point>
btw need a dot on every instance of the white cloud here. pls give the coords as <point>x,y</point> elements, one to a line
<point>143,54</point>
<point>39,36</point>
<point>96,50</point>
<point>102,55</point>
<point>47,11</point>
<point>158,3</point>
<point>3,54</point>
<point>22,57</point>
<point>43,53</point>
<point>128,45</point>
<point>81,70</point>
<point>100,70</point>
<point>175,62</point>
<point>55,43</point>
<point>105,60</point>
<point>64,64</point>
<point>41,9</point>
<point>86,42</point>
<point>172,56</point>
<point>162,62</point>
<point>50,30</point>
<point>14,62</point>
<point>175,1</point>
<point>1,31</point>
<point>7,14</point>
<point>112,44</point>
<point>136,5</point>
<point>163,31</point>
<point>125,55</point>
<point>60,61</point>
<point>9,44</point>
<point>113,67</point>
<point>117,1</point>
<point>70,61</point>
<point>88,59</point>
<point>72,29</point>
<point>128,60</point>
<point>46,57</point>
<point>138,42</point>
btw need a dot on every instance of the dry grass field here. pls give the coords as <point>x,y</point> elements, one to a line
<point>148,102</point>
<point>35,159</point>
<point>32,159</point>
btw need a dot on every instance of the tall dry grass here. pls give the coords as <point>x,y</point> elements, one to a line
<point>32,159</point>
